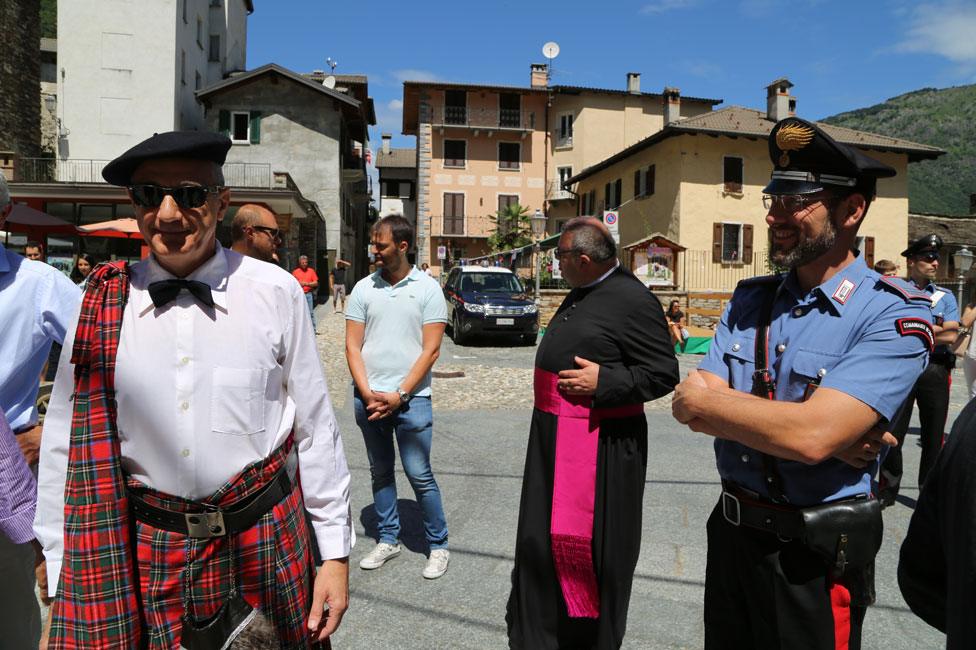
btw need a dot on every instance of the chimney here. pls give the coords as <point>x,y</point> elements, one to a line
<point>539,76</point>
<point>779,104</point>
<point>672,105</point>
<point>633,83</point>
<point>387,137</point>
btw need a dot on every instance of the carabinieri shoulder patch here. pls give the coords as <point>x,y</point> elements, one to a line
<point>917,327</point>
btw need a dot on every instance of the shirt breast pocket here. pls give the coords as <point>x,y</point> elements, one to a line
<point>810,367</point>
<point>740,352</point>
<point>237,400</point>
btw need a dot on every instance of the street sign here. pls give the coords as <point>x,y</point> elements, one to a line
<point>612,221</point>
<point>442,252</point>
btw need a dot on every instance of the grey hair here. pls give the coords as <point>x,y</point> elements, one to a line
<point>4,192</point>
<point>302,257</point>
<point>591,240</point>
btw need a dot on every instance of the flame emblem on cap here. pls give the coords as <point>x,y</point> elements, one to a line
<point>792,137</point>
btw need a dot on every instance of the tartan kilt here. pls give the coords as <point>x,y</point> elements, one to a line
<point>273,561</point>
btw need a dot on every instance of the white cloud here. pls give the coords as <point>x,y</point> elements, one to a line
<point>946,30</point>
<point>412,74</point>
<point>389,116</point>
<point>395,105</point>
<point>661,6</point>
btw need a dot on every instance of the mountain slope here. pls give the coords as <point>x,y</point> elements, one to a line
<point>945,118</point>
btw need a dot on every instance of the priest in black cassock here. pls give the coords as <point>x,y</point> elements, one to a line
<point>605,353</point>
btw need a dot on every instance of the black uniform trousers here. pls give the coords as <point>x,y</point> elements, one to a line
<point>764,593</point>
<point>931,392</point>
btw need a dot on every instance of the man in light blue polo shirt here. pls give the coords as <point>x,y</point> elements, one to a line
<point>36,304</point>
<point>395,321</point>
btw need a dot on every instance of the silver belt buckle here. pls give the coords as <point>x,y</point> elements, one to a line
<point>204,525</point>
<point>728,500</point>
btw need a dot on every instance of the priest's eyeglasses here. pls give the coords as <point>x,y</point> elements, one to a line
<point>563,252</point>
<point>790,202</point>
<point>187,197</point>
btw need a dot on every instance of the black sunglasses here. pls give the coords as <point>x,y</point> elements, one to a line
<point>274,233</point>
<point>187,197</point>
<point>928,257</point>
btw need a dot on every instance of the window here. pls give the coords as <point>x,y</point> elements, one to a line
<point>200,32</point>
<point>455,153</point>
<point>453,213</point>
<point>565,173</point>
<point>214,54</point>
<point>509,155</point>
<point>731,243</point>
<point>183,67</point>
<point>638,180</point>
<point>611,195</point>
<point>455,107</point>
<point>592,205</point>
<point>509,110</point>
<point>504,201</point>
<point>197,81</point>
<point>564,136</point>
<point>405,189</point>
<point>644,181</point>
<point>240,124</point>
<point>866,246</point>
<point>733,175</point>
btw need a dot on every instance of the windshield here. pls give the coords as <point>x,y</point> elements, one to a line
<point>490,283</point>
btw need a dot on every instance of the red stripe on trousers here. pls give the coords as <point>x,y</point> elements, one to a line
<point>840,605</point>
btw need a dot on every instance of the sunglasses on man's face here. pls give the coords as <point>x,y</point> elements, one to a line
<point>187,197</point>
<point>274,233</point>
<point>928,257</point>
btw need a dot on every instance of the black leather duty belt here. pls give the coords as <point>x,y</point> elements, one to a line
<point>741,509</point>
<point>211,521</point>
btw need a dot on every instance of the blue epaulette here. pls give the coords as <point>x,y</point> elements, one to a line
<point>761,280</point>
<point>904,289</point>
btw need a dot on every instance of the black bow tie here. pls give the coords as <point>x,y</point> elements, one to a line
<point>164,292</point>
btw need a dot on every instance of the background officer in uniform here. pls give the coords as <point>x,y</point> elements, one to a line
<point>798,442</point>
<point>931,391</point>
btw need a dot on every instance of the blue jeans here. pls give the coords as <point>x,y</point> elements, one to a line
<point>310,299</point>
<point>413,425</point>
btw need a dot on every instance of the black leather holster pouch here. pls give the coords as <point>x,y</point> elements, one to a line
<point>235,624</point>
<point>847,535</point>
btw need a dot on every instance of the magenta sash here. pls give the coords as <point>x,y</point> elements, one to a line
<point>574,489</point>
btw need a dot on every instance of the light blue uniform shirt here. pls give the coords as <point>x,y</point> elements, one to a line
<point>395,316</point>
<point>861,335</point>
<point>37,304</point>
<point>946,308</point>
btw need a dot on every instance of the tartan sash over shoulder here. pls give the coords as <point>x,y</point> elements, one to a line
<point>97,605</point>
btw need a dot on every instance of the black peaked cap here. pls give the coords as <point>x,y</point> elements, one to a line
<point>925,244</point>
<point>195,145</point>
<point>806,160</point>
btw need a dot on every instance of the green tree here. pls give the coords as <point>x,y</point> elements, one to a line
<point>513,228</point>
<point>49,18</point>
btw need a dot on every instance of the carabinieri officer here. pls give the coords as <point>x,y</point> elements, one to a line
<point>931,391</point>
<point>805,372</point>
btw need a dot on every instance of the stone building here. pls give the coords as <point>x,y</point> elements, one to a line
<point>398,180</point>
<point>20,126</point>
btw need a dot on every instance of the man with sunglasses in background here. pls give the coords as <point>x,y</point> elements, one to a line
<point>805,373</point>
<point>254,232</point>
<point>188,398</point>
<point>931,391</point>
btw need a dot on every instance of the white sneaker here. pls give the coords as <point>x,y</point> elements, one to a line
<point>379,555</point>
<point>437,563</point>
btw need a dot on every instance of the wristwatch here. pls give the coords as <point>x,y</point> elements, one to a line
<point>404,396</point>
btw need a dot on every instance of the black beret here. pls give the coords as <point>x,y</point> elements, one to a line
<point>806,160</point>
<point>195,145</point>
<point>926,244</point>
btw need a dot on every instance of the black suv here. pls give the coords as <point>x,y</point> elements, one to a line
<point>489,300</point>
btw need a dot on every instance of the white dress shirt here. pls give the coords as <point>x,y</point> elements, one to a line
<point>203,392</point>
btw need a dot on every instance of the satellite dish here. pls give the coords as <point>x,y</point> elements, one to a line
<point>550,50</point>
<point>329,82</point>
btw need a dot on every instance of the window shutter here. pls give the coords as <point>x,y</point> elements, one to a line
<point>716,243</point>
<point>255,127</point>
<point>649,181</point>
<point>606,196</point>
<point>747,244</point>
<point>223,122</point>
<point>637,183</point>
<point>618,190</point>
<point>448,205</point>
<point>869,251</point>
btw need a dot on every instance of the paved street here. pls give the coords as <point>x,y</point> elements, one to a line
<point>480,433</point>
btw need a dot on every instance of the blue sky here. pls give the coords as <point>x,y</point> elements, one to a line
<point>840,55</point>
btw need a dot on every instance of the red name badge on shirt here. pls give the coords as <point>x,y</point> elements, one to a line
<point>844,291</point>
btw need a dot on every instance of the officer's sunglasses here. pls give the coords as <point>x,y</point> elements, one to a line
<point>187,197</point>
<point>274,233</point>
<point>928,257</point>
<point>791,202</point>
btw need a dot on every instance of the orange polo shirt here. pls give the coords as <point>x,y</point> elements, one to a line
<point>306,275</point>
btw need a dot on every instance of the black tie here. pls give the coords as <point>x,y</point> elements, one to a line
<point>164,292</point>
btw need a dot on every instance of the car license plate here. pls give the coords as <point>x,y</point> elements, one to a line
<point>504,321</point>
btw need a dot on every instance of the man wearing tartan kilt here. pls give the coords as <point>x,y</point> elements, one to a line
<point>189,430</point>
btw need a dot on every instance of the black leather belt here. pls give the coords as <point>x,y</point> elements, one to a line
<point>211,521</point>
<point>740,508</point>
